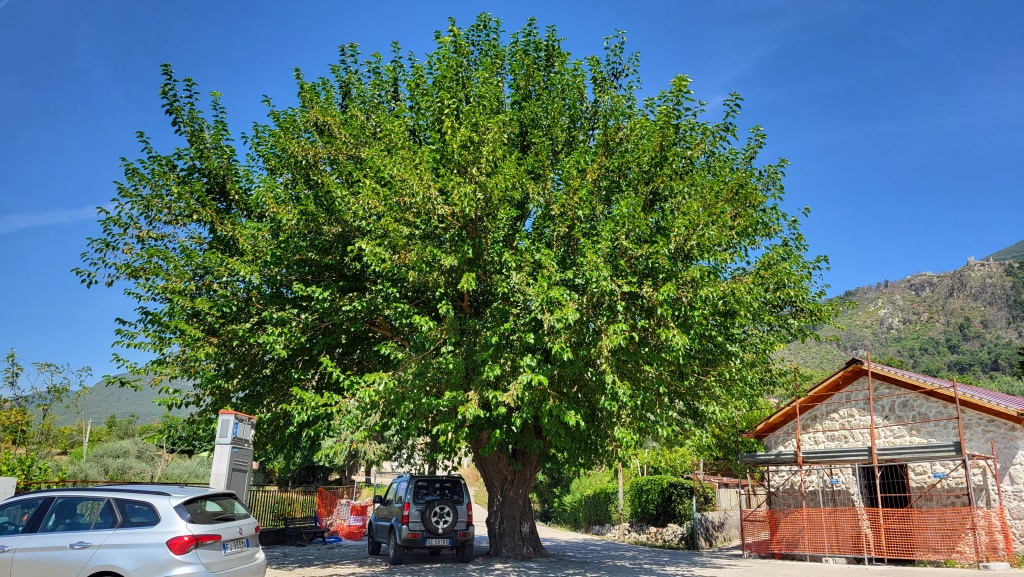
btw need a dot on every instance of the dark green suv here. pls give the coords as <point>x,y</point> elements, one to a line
<point>431,512</point>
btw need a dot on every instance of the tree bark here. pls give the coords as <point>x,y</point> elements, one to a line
<point>511,528</point>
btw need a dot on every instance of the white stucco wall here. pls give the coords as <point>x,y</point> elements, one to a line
<point>830,426</point>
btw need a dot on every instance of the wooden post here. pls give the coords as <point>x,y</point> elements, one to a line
<point>874,452</point>
<point>874,460</point>
<point>621,520</point>
<point>967,471</point>
<point>743,534</point>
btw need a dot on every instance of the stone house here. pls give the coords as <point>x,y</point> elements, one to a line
<point>883,449</point>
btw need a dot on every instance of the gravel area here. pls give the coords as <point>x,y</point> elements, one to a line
<point>571,554</point>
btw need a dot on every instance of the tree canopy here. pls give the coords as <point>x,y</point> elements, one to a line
<point>495,247</point>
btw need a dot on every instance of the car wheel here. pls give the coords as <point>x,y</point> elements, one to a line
<point>464,552</point>
<point>396,552</point>
<point>373,547</point>
<point>439,517</point>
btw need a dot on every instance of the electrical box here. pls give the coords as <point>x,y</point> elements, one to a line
<point>7,486</point>
<point>232,453</point>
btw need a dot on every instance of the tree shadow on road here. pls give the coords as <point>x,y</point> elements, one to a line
<point>571,555</point>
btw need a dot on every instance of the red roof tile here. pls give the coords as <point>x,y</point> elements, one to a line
<point>994,397</point>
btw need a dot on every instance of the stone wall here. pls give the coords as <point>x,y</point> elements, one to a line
<point>845,424</point>
<point>714,529</point>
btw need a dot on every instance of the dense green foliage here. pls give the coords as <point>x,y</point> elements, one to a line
<point>495,248</point>
<point>132,459</point>
<point>28,467</point>
<point>658,500</point>
<point>662,499</point>
<point>592,499</point>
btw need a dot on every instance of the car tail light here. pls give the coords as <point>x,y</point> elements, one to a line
<point>184,544</point>
<point>463,534</point>
<point>258,528</point>
<point>412,535</point>
<point>405,513</point>
<point>469,512</point>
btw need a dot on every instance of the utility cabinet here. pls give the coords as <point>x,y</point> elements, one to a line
<point>7,486</point>
<point>232,454</point>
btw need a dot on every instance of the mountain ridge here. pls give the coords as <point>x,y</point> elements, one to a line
<point>104,399</point>
<point>1011,253</point>
<point>966,324</point>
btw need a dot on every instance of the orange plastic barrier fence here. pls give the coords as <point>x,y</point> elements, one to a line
<point>343,517</point>
<point>959,534</point>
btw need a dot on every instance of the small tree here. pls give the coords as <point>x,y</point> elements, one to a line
<point>34,400</point>
<point>497,248</point>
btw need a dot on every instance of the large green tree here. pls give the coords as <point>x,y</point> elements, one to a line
<point>495,248</point>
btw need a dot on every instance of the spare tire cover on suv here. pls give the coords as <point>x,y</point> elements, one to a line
<point>440,516</point>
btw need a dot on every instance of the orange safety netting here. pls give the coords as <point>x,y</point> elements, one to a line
<point>959,534</point>
<point>343,517</point>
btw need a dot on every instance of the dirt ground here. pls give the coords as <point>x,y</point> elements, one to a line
<point>571,554</point>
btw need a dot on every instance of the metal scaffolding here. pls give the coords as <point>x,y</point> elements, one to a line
<point>933,502</point>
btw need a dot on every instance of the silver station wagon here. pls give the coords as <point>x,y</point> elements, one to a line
<point>129,531</point>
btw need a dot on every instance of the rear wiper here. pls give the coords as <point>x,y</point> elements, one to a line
<point>227,517</point>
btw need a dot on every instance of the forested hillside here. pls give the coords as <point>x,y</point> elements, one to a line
<point>1015,252</point>
<point>967,323</point>
<point>103,400</point>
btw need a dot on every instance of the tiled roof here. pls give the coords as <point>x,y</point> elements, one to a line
<point>993,397</point>
<point>990,402</point>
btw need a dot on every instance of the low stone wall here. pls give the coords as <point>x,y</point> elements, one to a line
<point>714,529</point>
<point>717,528</point>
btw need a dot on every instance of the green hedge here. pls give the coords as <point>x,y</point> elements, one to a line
<point>661,499</point>
<point>593,499</point>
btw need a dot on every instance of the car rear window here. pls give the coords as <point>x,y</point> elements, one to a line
<point>212,510</point>
<point>136,514</point>
<point>427,490</point>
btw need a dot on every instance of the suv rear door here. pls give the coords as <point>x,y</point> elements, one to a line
<point>427,490</point>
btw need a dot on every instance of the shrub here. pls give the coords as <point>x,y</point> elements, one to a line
<point>674,461</point>
<point>125,460</point>
<point>660,500</point>
<point>27,467</point>
<point>186,470</point>
<point>599,506</point>
<point>592,500</point>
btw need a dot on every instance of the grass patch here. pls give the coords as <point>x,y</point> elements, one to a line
<point>476,484</point>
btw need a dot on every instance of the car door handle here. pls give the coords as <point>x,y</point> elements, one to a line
<point>6,548</point>
<point>79,545</point>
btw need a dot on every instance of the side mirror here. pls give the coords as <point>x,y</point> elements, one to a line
<point>378,499</point>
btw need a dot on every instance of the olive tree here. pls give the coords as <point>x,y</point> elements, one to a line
<point>493,249</point>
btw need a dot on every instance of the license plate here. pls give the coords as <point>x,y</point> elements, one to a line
<point>236,546</point>
<point>439,542</point>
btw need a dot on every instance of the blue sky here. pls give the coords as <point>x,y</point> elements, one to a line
<point>902,120</point>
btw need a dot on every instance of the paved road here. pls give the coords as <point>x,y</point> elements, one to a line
<point>571,554</point>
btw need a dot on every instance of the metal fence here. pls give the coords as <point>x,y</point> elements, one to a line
<point>934,511</point>
<point>269,505</point>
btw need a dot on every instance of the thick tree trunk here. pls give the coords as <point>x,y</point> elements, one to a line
<point>510,525</point>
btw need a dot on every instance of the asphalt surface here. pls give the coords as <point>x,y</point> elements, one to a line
<point>571,554</point>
